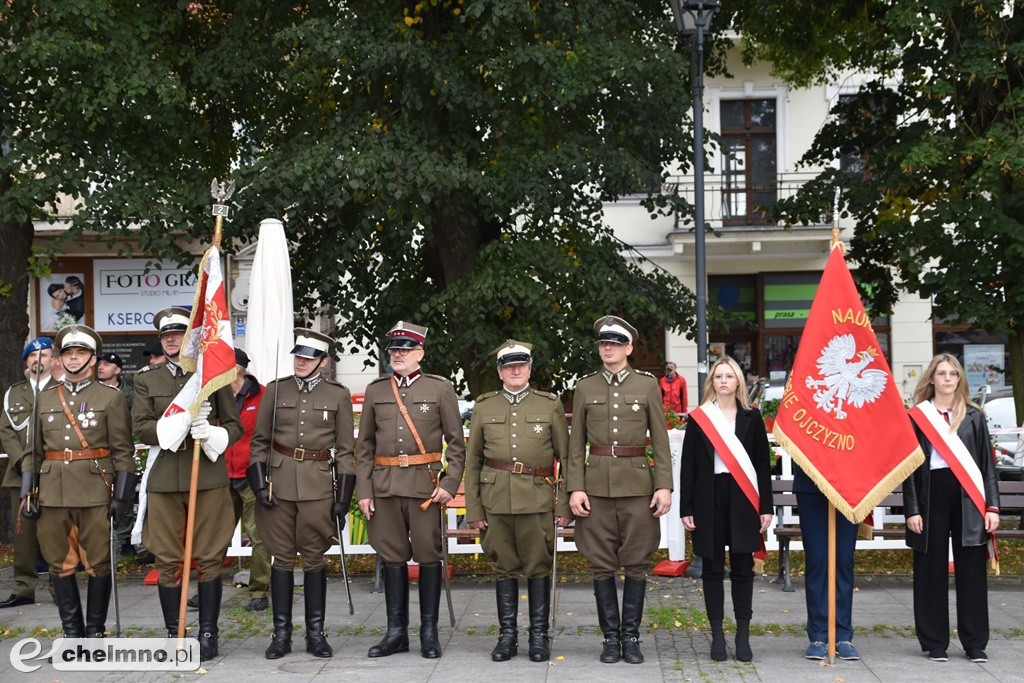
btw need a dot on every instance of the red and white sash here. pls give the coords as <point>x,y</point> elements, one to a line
<point>948,444</point>
<point>730,449</point>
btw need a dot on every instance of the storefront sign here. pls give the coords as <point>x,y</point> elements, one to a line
<point>983,364</point>
<point>126,295</point>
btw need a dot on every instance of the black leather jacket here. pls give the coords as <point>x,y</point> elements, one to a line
<point>974,433</point>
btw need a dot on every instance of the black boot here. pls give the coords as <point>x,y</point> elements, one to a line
<point>170,603</point>
<point>507,592</point>
<point>743,652</point>
<point>96,602</point>
<point>282,586</point>
<point>539,591</point>
<point>396,597</point>
<point>717,641</point>
<point>430,605</point>
<point>69,605</point>
<point>633,592</point>
<point>315,594</point>
<point>209,613</point>
<point>608,618</point>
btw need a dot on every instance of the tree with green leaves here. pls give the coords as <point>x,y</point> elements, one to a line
<point>442,161</point>
<point>939,204</point>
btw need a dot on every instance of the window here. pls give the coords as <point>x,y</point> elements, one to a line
<point>749,152</point>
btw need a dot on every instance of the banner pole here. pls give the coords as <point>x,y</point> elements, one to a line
<point>831,583</point>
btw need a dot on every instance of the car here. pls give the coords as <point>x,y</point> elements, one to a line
<point>1001,413</point>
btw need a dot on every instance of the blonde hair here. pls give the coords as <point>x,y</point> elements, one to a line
<point>925,390</point>
<point>741,390</point>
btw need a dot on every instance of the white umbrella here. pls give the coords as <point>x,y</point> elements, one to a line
<point>269,338</point>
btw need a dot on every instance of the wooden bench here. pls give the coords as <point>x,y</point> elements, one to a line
<point>1011,497</point>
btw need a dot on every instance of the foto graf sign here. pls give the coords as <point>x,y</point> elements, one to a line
<point>127,294</point>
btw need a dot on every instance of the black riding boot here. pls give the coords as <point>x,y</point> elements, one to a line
<point>717,641</point>
<point>507,592</point>
<point>430,605</point>
<point>282,586</point>
<point>170,603</point>
<point>539,591</point>
<point>69,605</point>
<point>608,618</point>
<point>315,593</point>
<point>743,651</point>
<point>96,603</point>
<point>209,613</point>
<point>396,597</point>
<point>633,592</point>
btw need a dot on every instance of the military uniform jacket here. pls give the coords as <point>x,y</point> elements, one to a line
<point>618,410</point>
<point>434,409</point>
<point>319,420</point>
<point>155,388</point>
<point>102,415</point>
<point>532,431</point>
<point>14,426</point>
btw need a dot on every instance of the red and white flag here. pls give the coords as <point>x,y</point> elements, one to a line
<point>842,419</point>
<point>207,349</point>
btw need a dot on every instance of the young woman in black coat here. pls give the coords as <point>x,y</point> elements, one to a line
<point>938,508</point>
<point>717,512</point>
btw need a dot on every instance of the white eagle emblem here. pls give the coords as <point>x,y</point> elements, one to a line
<point>845,380</point>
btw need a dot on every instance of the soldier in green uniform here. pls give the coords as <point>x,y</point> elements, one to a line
<point>406,421</point>
<point>514,439</point>
<point>83,472</point>
<point>14,440</point>
<point>167,483</point>
<point>615,495</point>
<point>292,454</point>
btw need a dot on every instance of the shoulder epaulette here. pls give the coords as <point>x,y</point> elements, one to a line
<point>590,374</point>
<point>443,379</point>
<point>334,382</point>
<point>385,378</point>
<point>644,372</point>
<point>546,394</point>
<point>489,394</point>
<point>144,368</point>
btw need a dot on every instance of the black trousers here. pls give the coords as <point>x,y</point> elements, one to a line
<point>741,565</point>
<point>931,573</point>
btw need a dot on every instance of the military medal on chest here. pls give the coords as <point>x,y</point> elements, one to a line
<point>424,408</point>
<point>538,429</point>
<point>636,407</point>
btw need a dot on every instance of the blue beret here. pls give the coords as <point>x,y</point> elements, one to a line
<point>37,344</point>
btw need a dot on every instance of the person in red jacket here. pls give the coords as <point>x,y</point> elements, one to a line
<point>673,390</point>
<point>248,393</point>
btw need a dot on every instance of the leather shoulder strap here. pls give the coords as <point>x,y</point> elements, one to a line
<point>71,418</point>
<point>405,414</point>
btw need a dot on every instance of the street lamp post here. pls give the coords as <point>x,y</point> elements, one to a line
<point>693,21</point>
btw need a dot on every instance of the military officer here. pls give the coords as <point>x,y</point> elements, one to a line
<point>294,452</point>
<point>14,440</point>
<point>515,436</point>
<point>398,466</point>
<point>167,483</point>
<point>615,495</point>
<point>83,473</point>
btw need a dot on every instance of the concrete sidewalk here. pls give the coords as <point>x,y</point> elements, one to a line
<point>675,641</point>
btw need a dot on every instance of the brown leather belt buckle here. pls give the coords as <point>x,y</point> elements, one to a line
<point>403,460</point>
<point>69,455</point>
<point>517,468</point>
<point>298,454</point>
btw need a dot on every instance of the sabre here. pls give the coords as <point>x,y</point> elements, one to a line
<point>444,547</point>
<point>113,583</point>
<point>554,551</point>
<point>337,524</point>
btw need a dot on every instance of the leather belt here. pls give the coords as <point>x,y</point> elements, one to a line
<point>405,460</point>
<point>300,454</point>
<point>67,455</point>
<point>618,451</point>
<point>519,468</point>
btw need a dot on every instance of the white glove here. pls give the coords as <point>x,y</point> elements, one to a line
<point>171,431</point>
<point>200,428</point>
<point>216,442</point>
<point>204,410</point>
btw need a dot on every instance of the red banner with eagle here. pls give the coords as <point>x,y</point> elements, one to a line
<point>207,349</point>
<point>841,418</point>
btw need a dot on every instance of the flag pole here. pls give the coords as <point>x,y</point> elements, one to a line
<point>220,193</point>
<point>836,242</point>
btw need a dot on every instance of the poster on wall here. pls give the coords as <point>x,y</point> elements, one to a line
<point>128,295</point>
<point>983,364</point>
<point>62,298</point>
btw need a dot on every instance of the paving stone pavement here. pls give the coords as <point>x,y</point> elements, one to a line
<point>675,643</point>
